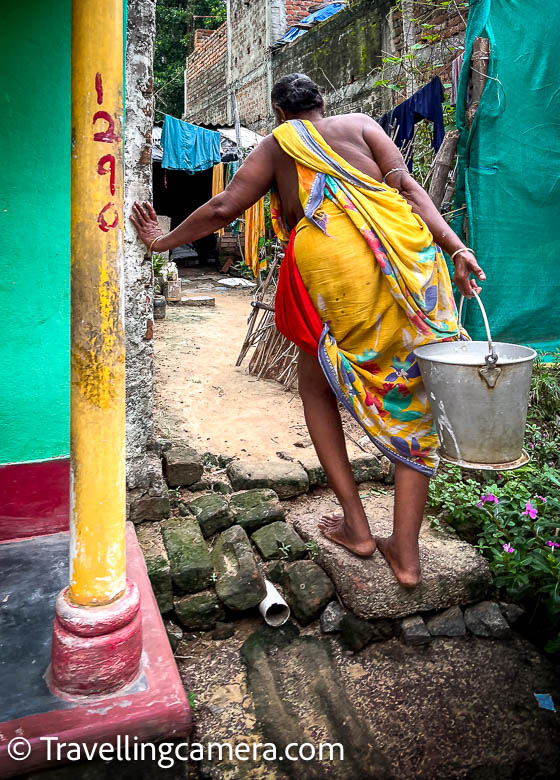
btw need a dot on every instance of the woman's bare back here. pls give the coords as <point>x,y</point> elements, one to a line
<point>344,134</point>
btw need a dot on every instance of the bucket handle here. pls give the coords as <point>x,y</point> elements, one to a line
<point>491,358</point>
<point>490,372</point>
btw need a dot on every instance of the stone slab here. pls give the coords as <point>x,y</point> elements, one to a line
<point>486,619</point>
<point>157,564</point>
<point>306,588</point>
<point>197,300</point>
<point>182,466</point>
<point>146,507</point>
<point>212,512</point>
<point>366,468</point>
<point>253,509</point>
<point>450,622</point>
<point>452,571</point>
<point>199,611</point>
<point>239,583</point>
<point>278,540</point>
<point>414,631</point>
<point>286,478</point>
<point>315,472</point>
<point>191,568</point>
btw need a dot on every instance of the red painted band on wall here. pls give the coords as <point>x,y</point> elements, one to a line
<point>34,498</point>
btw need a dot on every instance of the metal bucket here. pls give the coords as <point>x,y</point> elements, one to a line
<point>479,394</point>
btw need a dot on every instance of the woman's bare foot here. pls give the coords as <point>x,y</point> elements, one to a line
<point>405,564</point>
<point>336,528</point>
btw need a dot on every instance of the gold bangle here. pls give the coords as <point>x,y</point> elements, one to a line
<point>462,249</point>
<point>154,241</point>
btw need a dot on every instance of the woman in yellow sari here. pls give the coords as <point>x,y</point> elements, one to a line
<point>363,283</point>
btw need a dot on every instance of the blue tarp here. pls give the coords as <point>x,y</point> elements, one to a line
<point>188,147</point>
<point>318,16</point>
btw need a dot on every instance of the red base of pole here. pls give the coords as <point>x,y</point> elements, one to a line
<point>96,650</point>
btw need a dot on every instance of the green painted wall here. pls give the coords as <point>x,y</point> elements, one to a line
<point>35,230</point>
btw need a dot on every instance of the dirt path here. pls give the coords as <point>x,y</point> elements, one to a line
<point>202,398</point>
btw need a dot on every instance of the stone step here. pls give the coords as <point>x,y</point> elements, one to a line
<point>287,479</point>
<point>452,571</point>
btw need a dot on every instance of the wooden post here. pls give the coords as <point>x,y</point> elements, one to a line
<point>480,58</point>
<point>442,165</point>
<point>479,70</point>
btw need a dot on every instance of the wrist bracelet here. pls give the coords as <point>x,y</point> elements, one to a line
<point>154,241</point>
<point>462,249</point>
<point>394,170</point>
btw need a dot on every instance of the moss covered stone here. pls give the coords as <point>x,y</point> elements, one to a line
<point>307,589</point>
<point>277,540</point>
<point>157,564</point>
<point>239,583</point>
<point>254,508</point>
<point>200,611</point>
<point>212,512</point>
<point>191,568</point>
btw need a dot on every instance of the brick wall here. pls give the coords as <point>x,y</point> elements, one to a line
<point>340,54</point>
<point>343,54</point>
<point>200,36</point>
<point>297,9</point>
<point>205,78</point>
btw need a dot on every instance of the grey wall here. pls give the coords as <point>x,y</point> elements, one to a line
<point>144,478</point>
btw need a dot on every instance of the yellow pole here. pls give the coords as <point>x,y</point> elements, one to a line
<point>98,354</point>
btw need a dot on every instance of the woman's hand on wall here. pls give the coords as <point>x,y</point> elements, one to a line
<point>144,219</point>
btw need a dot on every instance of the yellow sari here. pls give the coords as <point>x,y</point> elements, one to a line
<point>380,287</point>
<point>255,255</point>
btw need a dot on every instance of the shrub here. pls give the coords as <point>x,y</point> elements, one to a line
<point>514,517</point>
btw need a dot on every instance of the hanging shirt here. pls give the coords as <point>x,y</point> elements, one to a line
<point>188,147</point>
<point>424,104</point>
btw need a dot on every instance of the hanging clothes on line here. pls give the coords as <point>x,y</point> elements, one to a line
<point>188,147</point>
<point>218,185</point>
<point>426,103</point>
<point>255,255</point>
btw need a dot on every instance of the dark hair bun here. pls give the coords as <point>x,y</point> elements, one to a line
<point>296,93</point>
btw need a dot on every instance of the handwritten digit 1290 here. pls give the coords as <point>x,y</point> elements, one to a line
<point>107,163</point>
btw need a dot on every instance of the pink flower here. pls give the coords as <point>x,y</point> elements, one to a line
<point>531,511</point>
<point>541,498</point>
<point>552,543</point>
<point>488,498</point>
<point>508,548</point>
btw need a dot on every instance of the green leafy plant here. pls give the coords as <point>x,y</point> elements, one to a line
<point>284,550</point>
<point>158,261</point>
<point>240,269</point>
<point>313,549</point>
<point>514,517</point>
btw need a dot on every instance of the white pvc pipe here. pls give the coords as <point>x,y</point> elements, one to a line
<point>273,608</point>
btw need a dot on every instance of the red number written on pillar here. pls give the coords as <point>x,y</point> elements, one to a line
<point>107,163</point>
